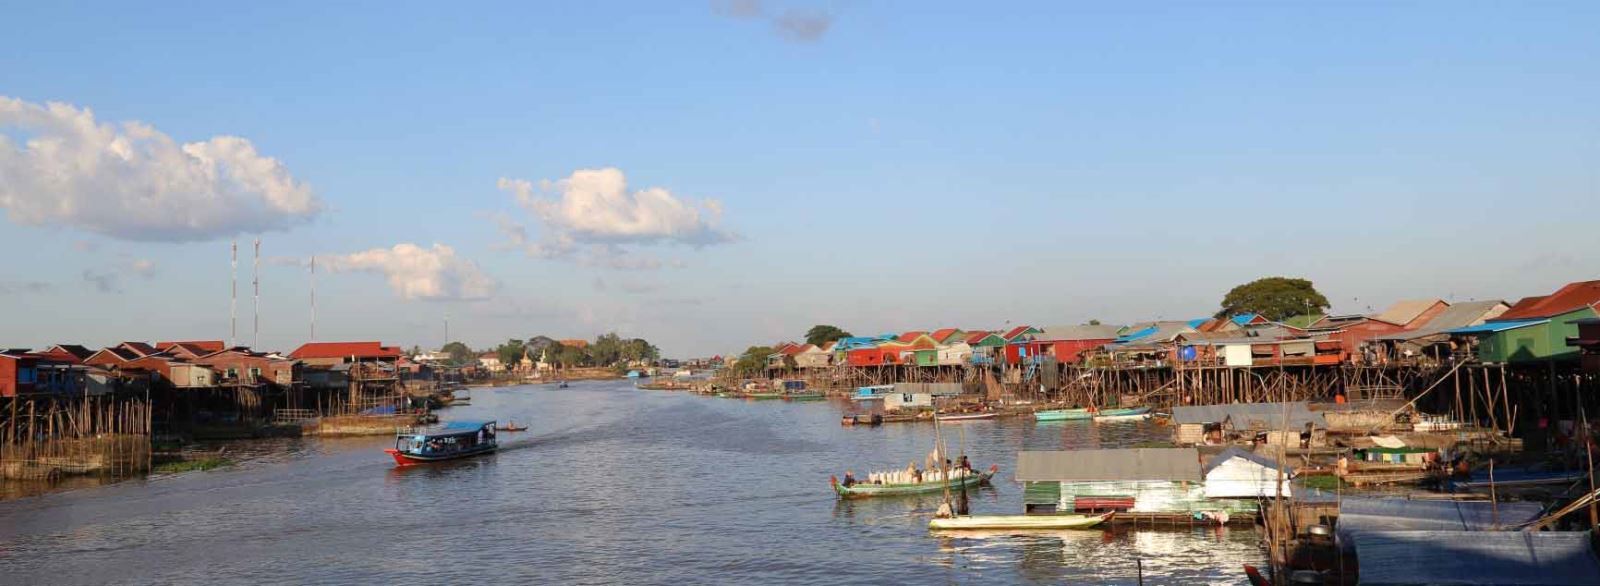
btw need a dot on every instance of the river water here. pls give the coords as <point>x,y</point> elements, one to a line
<point>611,485</point>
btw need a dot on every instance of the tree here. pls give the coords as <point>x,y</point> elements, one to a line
<point>459,353</point>
<point>752,361</point>
<point>1275,298</point>
<point>822,334</point>
<point>510,353</point>
<point>416,350</point>
<point>1094,322</point>
<point>606,349</point>
<point>566,356</point>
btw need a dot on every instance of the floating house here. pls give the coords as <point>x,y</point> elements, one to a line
<point>1139,480</point>
<point>814,357</point>
<point>1216,424</point>
<point>1241,473</point>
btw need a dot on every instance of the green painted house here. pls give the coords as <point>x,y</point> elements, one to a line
<point>1536,328</point>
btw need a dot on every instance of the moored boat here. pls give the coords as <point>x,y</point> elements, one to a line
<point>448,441</point>
<point>966,416</point>
<point>872,393</point>
<point>959,478</point>
<point>1066,521</point>
<point>1063,415</point>
<point>805,396</point>
<point>1122,414</point>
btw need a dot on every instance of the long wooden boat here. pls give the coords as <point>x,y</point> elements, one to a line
<point>448,441</point>
<point>1063,415</point>
<point>1513,478</point>
<point>805,396</point>
<point>764,396</point>
<point>967,416</point>
<point>1122,414</point>
<point>869,490</point>
<point>1067,521</point>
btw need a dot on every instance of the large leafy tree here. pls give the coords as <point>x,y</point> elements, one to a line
<point>459,353</point>
<point>567,356</point>
<point>510,353</point>
<point>752,361</point>
<point>822,334</point>
<point>1275,298</point>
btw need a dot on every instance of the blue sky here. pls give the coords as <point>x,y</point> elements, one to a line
<point>878,165</point>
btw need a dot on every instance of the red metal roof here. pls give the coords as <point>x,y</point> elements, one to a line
<point>794,349</point>
<point>1016,331</point>
<point>344,350</point>
<point>975,337</point>
<point>144,349</point>
<point>196,346</point>
<point>942,335</point>
<point>1572,297</point>
<point>911,335</point>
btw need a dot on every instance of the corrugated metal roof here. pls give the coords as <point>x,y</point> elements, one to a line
<point>1572,297</point>
<point>1497,326</point>
<point>1238,452</point>
<point>1125,464</point>
<point>1078,332</point>
<point>1263,416</point>
<point>1460,315</point>
<point>1405,311</point>
<point>1361,515</point>
<point>1457,557</point>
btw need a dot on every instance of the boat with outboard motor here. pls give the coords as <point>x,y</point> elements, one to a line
<point>447,441</point>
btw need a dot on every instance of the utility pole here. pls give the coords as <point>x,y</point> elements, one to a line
<point>313,299</point>
<point>233,296</point>
<point>255,330</point>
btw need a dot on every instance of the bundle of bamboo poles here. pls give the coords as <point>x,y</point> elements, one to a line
<point>46,438</point>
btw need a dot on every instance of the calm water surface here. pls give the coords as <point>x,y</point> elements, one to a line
<point>610,485</point>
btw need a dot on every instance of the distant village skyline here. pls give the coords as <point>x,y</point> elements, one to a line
<point>709,178</point>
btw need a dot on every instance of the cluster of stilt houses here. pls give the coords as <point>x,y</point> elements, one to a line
<point>68,409</point>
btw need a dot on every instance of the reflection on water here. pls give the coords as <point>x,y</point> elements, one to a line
<point>609,485</point>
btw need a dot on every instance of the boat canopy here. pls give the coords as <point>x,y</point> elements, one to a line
<point>455,428</point>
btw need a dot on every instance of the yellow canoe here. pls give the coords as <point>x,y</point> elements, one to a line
<point>1020,522</point>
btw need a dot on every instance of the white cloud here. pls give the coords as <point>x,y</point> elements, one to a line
<point>591,217</point>
<point>415,272</point>
<point>131,181</point>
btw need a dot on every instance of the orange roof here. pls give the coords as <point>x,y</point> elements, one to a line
<point>978,336</point>
<point>344,350</point>
<point>793,349</point>
<point>942,335</point>
<point>1572,297</point>
<point>911,335</point>
<point>197,346</point>
<point>575,343</point>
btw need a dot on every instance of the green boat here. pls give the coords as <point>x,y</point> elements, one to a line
<point>861,490</point>
<point>1122,414</point>
<point>1063,415</point>
<point>764,396</point>
<point>808,396</point>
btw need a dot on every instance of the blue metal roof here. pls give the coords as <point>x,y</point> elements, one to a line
<point>1136,335</point>
<point>1497,326</point>
<point>1243,318</point>
<point>1195,323</point>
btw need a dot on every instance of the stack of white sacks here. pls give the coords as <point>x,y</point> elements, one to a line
<point>902,477</point>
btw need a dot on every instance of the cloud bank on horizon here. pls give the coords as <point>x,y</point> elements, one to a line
<point>133,182</point>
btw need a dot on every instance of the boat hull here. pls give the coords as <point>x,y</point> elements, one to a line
<point>409,459</point>
<point>1123,414</point>
<point>967,417</point>
<point>1028,522</point>
<point>860,490</point>
<point>1064,415</point>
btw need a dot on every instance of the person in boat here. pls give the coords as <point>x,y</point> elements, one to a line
<point>849,479</point>
<point>964,464</point>
<point>913,472</point>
